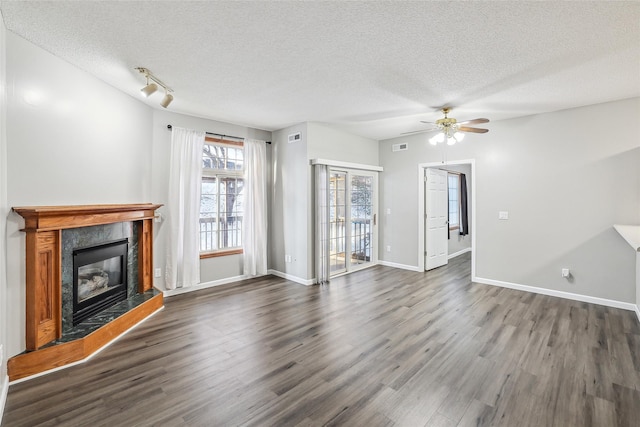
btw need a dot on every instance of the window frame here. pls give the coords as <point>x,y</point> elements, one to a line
<point>218,174</point>
<point>456,225</point>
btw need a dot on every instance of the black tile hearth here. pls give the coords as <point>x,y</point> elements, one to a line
<point>94,323</point>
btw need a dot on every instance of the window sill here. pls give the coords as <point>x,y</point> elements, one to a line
<point>455,227</point>
<point>205,255</point>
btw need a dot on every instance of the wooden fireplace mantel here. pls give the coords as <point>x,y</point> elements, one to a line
<point>45,218</point>
<point>43,228</point>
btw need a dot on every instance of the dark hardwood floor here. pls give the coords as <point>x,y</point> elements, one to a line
<point>378,347</point>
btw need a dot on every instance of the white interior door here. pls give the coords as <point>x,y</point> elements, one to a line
<point>436,218</point>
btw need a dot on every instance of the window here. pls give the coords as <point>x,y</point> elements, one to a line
<point>454,201</point>
<point>221,198</point>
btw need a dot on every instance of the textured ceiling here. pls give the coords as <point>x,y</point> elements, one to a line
<point>372,68</point>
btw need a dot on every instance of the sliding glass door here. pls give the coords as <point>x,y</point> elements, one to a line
<point>352,217</point>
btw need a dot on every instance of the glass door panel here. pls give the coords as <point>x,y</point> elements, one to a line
<point>361,219</point>
<point>337,222</point>
<point>352,220</point>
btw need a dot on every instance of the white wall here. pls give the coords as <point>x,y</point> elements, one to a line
<point>564,177</point>
<point>211,269</point>
<point>71,139</point>
<point>4,209</point>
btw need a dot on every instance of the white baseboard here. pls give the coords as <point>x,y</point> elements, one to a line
<point>560,294</point>
<point>455,254</point>
<point>638,312</point>
<point>3,394</point>
<point>204,285</point>
<point>396,265</point>
<point>89,357</point>
<point>306,282</point>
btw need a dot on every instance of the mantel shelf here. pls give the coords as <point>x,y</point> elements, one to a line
<point>46,218</point>
<point>631,234</point>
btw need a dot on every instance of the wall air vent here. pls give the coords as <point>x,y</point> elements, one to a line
<point>400,147</point>
<point>295,137</point>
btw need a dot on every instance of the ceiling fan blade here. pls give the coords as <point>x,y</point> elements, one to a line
<point>429,123</point>
<point>474,122</point>
<point>472,130</point>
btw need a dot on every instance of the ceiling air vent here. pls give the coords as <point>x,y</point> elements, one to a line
<point>295,137</point>
<point>400,147</point>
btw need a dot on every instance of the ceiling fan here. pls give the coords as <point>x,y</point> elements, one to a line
<point>450,130</point>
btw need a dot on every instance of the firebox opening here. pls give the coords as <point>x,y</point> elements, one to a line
<point>99,278</point>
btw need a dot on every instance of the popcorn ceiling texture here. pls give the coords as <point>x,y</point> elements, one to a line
<point>372,68</point>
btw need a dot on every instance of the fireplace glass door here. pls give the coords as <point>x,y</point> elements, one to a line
<point>100,278</point>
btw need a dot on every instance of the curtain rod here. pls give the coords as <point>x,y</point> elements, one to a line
<point>221,135</point>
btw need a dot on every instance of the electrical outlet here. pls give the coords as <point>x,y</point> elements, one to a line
<point>503,215</point>
<point>566,272</point>
<point>158,272</point>
<point>388,248</point>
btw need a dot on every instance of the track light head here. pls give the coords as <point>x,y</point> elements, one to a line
<point>166,100</point>
<point>149,89</point>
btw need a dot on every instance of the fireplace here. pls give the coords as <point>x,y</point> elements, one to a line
<point>99,278</point>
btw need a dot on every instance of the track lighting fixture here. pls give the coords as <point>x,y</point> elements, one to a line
<point>166,100</point>
<point>149,89</point>
<point>152,87</point>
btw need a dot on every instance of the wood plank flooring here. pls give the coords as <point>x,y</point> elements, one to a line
<point>379,347</point>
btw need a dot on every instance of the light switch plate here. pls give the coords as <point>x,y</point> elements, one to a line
<point>503,215</point>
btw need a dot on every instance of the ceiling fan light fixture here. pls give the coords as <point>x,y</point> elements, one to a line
<point>459,136</point>
<point>451,140</point>
<point>437,138</point>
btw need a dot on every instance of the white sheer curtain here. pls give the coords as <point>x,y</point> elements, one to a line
<point>322,223</point>
<point>254,222</point>
<point>185,177</point>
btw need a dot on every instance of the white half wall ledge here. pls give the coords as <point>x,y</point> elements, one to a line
<point>561,294</point>
<point>630,233</point>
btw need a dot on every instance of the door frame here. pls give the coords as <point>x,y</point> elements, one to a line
<point>349,268</point>
<point>421,210</point>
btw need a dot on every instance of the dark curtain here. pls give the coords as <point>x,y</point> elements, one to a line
<point>464,215</point>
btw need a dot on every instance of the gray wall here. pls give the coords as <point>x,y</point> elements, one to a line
<point>565,178</point>
<point>211,269</point>
<point>291,228</point>
<point>79,141</point>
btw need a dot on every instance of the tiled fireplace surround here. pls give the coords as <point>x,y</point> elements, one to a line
<point>52,233</point>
